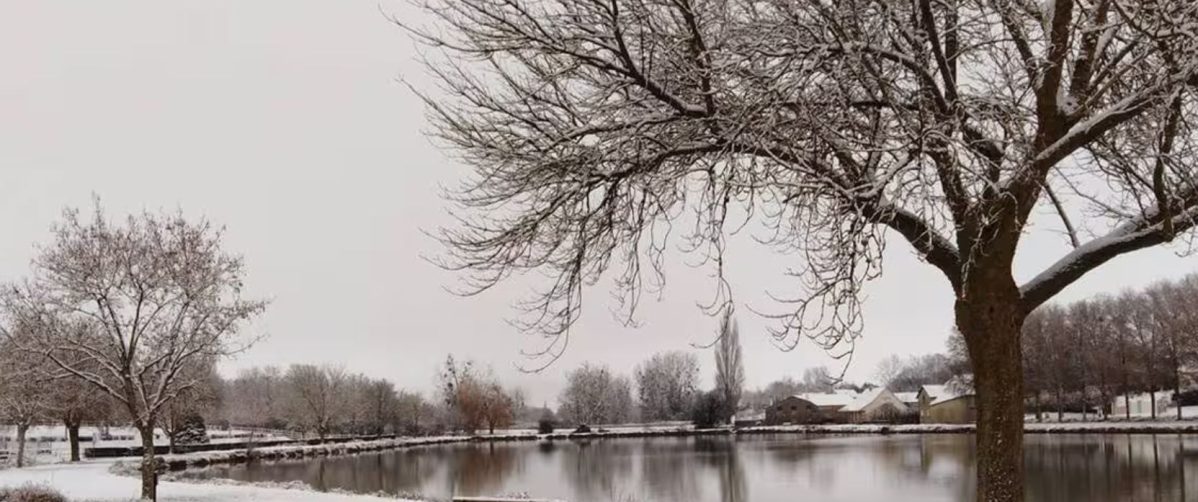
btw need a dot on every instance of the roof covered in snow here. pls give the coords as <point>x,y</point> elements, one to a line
<point>864,399</point>
<point>907,397</point>
<point>822,399</point>
<point>952,389</point>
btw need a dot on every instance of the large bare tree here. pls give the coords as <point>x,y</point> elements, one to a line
<point>593,124</point>
<point>131,309</point>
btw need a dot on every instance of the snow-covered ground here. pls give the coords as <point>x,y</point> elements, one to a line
<point>92,481</point>
<point>48,444</point>
<point>1169,413</point>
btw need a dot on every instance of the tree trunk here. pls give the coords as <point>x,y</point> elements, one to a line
<point>149,464</point>
<point>21,430</point>
<point>1177,387</point>
<point>1039,415</point>
<point>1060,404</point>
<point>73,437</point>
<point>990,317</point>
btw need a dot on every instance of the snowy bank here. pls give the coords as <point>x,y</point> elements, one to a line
<point>92,481</point>
<point>203,459</point>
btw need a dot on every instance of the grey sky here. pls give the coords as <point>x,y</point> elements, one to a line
<point>283,120</point>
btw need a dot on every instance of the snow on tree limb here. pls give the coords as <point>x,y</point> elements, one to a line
<point>594,127</point>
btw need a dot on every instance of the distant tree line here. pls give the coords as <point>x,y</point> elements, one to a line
<point>1082,356</point>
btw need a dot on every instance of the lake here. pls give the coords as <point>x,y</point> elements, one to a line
<point>784,467</point>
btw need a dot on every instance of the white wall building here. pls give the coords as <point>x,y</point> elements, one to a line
<point>1141,404</point>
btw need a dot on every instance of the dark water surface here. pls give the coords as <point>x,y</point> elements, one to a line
<point>898,468</point>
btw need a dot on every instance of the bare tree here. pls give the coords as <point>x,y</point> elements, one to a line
<point>729,365</point>
<point>1177,323</point>
<point>256,399</point>
<point>594,395</point>
<point>318,397</point>
<point>381,403</point>
<point>1036,368</point>
<point>888,370</point>
<point>130,307</point>
<point>592,125</point>
<point>818,379</point>
<point>25,393</point>
<point>75,401</point>
<point>412,414</point>
<point>667,385</point>
<point>200,400</point>
<point>498,407</point>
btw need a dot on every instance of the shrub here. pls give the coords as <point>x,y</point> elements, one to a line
<point>546,426</point>
<point>31,493</point>
<point>709,411</point>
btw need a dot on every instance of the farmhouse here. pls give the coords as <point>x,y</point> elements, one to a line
<point>951,403</point>
<point>877,405</point>
<point>793,410</point>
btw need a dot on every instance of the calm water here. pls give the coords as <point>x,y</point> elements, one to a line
<point>896,468</point>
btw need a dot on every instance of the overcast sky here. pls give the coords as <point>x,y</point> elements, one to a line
<point>284,121</point>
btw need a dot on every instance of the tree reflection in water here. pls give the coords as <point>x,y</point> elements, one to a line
<point>897,468</point>
<point>598,470</point>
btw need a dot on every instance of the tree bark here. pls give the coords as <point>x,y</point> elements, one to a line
<point>990,316</point>
<point>21,430</point>
<point>73,437</point>
<point>149,464</point>
<point>1060,404</point>
<point>1177,387</point>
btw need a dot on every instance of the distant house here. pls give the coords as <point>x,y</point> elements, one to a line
<point>831,404</point>
<point>1141,404</point>
<point>877,405</point>
<point>951,403</point>
<point>911,399</point>
<point>793,410</point>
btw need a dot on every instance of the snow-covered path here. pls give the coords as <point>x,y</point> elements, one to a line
<point>91,481</point>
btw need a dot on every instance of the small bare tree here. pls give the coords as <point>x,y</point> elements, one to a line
<point>75,401</point>
<point>593,125</point>
<point>26,394</point>
<point>200,400</point>
<point>129,308</point>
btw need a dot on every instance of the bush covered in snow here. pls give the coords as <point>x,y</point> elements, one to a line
<point>31,493</point>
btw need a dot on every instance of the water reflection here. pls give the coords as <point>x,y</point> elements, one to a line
<point>898,468</point>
